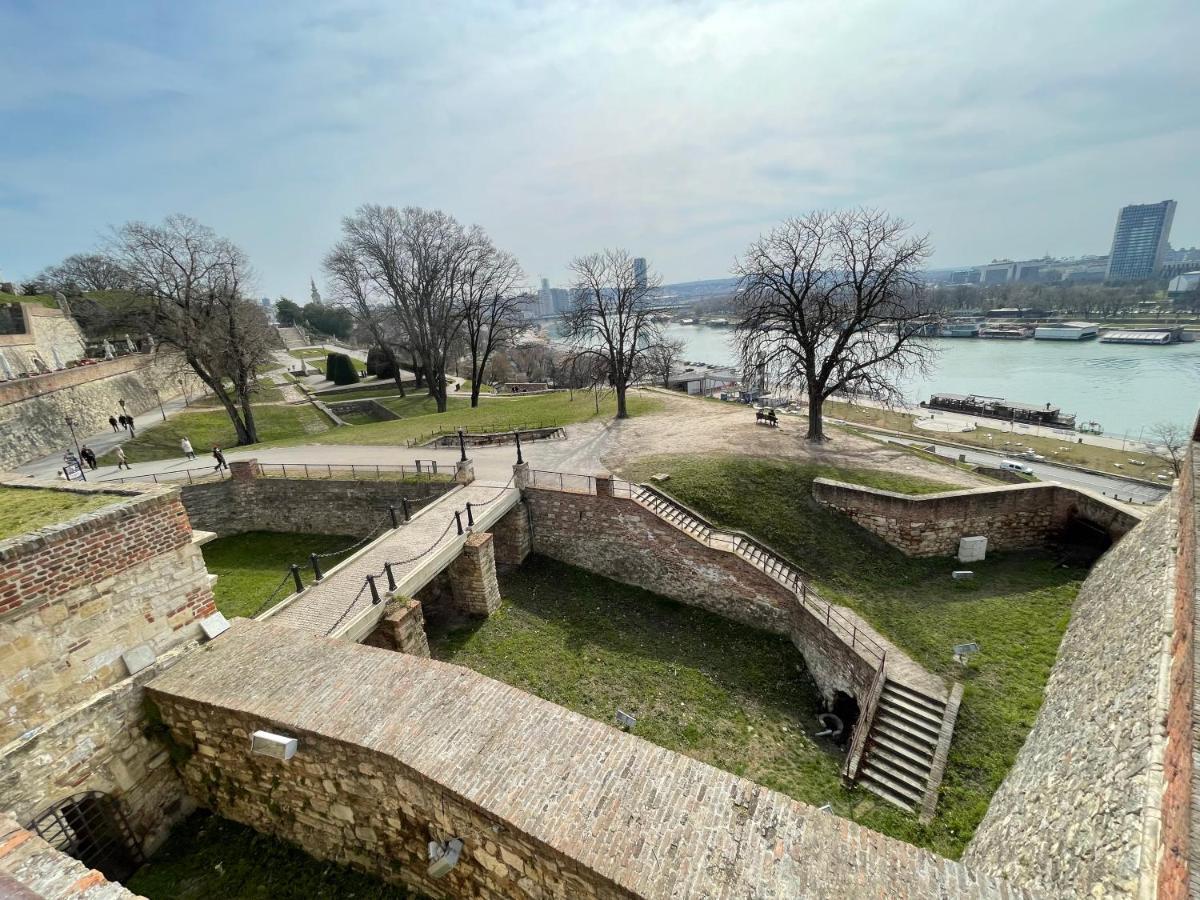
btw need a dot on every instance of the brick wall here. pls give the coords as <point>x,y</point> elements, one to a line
<point>310,506</point>
<point>617,538</point>
<point>395,751</point>
<point>401,629</point>
<point>1080,812</point>
<point>30,869</point>
<point>75,596</point>
<point>1011,517</point>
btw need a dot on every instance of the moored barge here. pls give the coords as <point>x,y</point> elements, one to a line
<point>998,408</point>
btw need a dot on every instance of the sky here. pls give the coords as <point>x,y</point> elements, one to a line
<point>677,130</point>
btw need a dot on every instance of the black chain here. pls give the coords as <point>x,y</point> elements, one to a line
<point>346,610</point>
<point>267,602</point>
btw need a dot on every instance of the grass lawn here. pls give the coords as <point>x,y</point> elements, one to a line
<point>421,418</point>
<point>204,429</point>
<point>206,856</point>
<point>732,696</point>
<point>251,565</point>
<point>1017,608</point>
<point>27,509</point>
<point>1000,439</point>
<point>38,299</point>
<point>384,389</point>
<point>265,392</point>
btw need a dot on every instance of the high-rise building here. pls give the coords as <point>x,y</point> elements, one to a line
<point>639,272</point>
<point>545,305</point>
<point>1140,240</point>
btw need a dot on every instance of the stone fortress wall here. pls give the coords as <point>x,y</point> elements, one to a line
<point>33,410</point>
<point>48,334</point>
<point>1013,517</point>
<point>90,610</point>
<point>1098,800</point>
<point>248,501</point>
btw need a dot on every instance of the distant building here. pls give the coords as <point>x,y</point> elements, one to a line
<point>545,302</point>
<point>1067,331</point>
<point>560,299</point>
<point>996,273</point>
<point>964,276</point>
<point>1140,241</point>
<point>640,277</point>
<point>1184,287</point>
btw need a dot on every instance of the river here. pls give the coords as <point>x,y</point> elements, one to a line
<point>1124,387</point>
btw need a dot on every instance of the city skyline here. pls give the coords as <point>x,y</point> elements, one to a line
<point>690,131</point>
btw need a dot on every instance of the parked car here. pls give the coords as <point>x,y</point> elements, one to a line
<point>1011,465</point>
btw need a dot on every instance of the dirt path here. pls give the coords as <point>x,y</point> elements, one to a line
<point>692,426</point>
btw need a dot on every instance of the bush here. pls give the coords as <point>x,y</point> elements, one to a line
<point>378,364</point>
<point>339,368</point>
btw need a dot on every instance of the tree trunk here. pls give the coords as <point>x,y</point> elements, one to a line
<point>816,424</point>
<point>397,375</point>
<point>248,417</point>
<point>437,389</point>
<point>622,412</point>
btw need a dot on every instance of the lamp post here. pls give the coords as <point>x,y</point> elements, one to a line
<point>78,453</point>
<point>158,397</point>
<point>520,459</point>
<point>183,388</point>
<point>462,445</point>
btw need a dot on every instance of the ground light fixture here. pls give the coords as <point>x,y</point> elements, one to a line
<point>443,857</point>
<point>276,746</point>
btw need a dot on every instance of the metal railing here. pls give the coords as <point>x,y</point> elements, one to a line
<point>198,475</point>
<point>866,720</point>
<point>750,549</point>
<point>421,470</point>
<point>481,429</point>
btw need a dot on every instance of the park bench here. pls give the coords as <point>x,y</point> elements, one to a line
<point>766,417</point>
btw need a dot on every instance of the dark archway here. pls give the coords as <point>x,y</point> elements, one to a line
<point>1082,542</point>
<point>845,707</point>
<point>91,827</point>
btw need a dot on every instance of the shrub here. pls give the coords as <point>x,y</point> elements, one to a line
<point>378,364</point>
<point>339,368</point>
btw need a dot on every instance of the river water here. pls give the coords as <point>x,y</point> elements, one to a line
<point>1124,387</point>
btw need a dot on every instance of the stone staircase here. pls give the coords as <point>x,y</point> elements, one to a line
<point>292,337</point>
<point>899,762</point>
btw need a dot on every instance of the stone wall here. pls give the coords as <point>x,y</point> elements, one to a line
<point>1012,517</point>
<point>248,501</point>
<point>1079,813</point>
<point>77,595</point>
<point>33,410</point>
<point>619,539</point>
<point>395,751</point>
<point>102,744</point>
<point>401,629</point>
<point>48,331</point>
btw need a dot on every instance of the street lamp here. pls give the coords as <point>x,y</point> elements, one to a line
<point>183,388</point>
<point>158,397</point>
<point>78,452</point>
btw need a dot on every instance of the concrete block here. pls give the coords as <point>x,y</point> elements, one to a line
<point>972,549</point>
<point>214,625</point>
<point>138,658</point>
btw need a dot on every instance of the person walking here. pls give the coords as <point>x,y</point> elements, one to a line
<point>121,419</point>
<point>220,458</point>
<point>89,457</point>
<point>186,446</point>
<point>121,461</point>
<point>112,420</point>
<point>129,422</point>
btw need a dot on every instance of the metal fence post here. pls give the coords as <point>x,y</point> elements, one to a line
<point>296,578</point>
<point>458,521</point>
<point>387,567</point>
<point>392,515</point>
<point>374,590</point>
<point>470,514</point>
<point>404,507</point>
<point>316,566</point>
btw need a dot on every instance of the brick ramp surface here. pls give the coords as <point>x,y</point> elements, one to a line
<point>340,597</point>
<point>653,822</point>
<point>31,868</point>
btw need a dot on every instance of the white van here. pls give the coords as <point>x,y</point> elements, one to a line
<point>1012,465</point>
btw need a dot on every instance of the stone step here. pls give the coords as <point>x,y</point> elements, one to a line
<point>899,736</point>
<point>916,771</point>
<point>896,688</point>
<point>922,759</point>
<point>895,780</point>
<point>914,730</point>
<point>882,790</point>
<point>920,713</point>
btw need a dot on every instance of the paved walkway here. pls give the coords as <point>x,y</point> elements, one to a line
<point>417,550</point>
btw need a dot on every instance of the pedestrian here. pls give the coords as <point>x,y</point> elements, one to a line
<point>129,422</point>
<point>89,457</point>
<point>121,461</point>
<point>121,419</point>
<point>112,420</point>
<point>220,458</point>
<point>186,446</point>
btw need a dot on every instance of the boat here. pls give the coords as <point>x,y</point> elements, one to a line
<point>959,330</point>
<point>1066,331</point>
<point>1090,428</point>
<point>1005,331</point>
<point>998,408</point>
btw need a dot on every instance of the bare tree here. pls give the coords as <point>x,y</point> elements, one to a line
<point>492,308</point>
<point>1170,444</point>
<point>415,260</point>
<point>192,280</point>
<point>352,289</point>
<point>834,302</point>
<point>609,316</point>
<point>81,272</point>
<point>663,357</point>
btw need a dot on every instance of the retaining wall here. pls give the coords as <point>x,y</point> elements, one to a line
<point>30,869</point>
<point>247,501</point>
<point>33,411</point>
<point>395,751</point>
<point>1013,517</point>
<point>1082,811</point>
<point>76,595</point>
<point>619,539</point>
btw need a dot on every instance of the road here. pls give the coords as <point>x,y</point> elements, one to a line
<point>1108,485</point>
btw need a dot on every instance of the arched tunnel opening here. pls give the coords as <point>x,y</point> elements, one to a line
<point>1081,542</point>
<point>840,719</point>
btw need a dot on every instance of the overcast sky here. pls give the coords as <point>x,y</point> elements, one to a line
<point>677,130</point>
